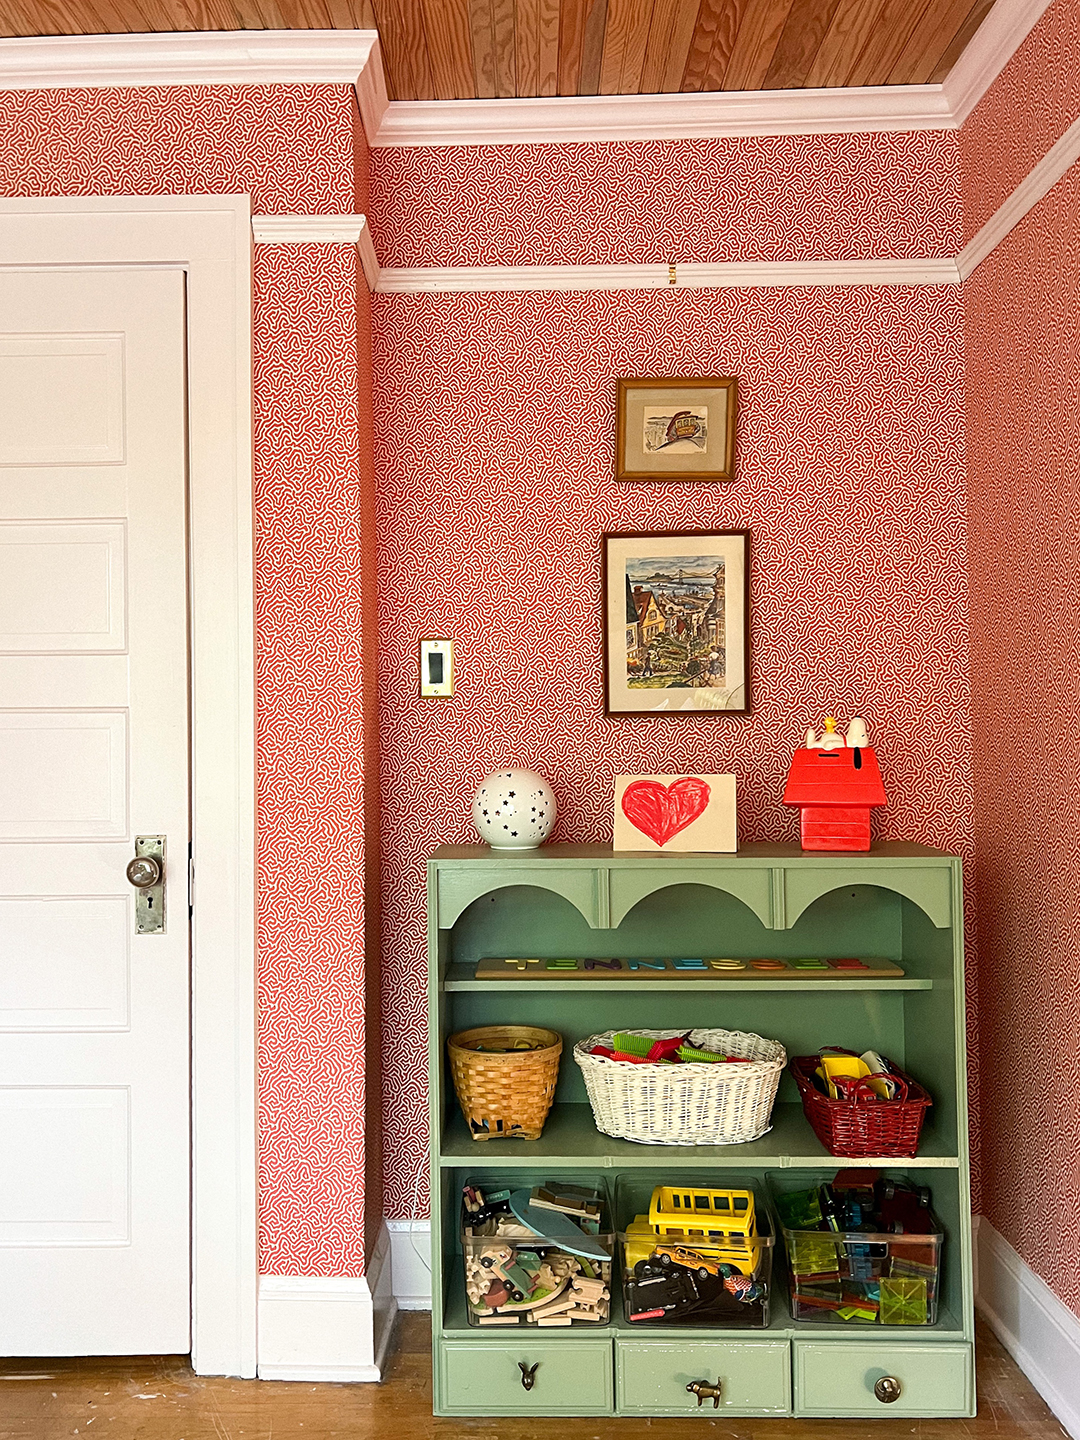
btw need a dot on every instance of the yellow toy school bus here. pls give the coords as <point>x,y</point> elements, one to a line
<point>716,1224</point>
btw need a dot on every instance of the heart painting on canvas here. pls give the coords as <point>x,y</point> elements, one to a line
<point>684,813</point>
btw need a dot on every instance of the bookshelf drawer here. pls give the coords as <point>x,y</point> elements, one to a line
<point>840,1379</point>
<point>482,1377</point>
<point>753,1376</point>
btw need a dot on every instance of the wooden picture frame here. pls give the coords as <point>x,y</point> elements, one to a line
<point>676,428</point>
<point>676,619</point>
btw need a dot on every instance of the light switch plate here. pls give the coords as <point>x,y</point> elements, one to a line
<point>436,667</point>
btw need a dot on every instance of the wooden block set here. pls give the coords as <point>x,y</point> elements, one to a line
<point>808,967</point>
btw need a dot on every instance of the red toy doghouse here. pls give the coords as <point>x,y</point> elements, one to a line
<point>835,790</point>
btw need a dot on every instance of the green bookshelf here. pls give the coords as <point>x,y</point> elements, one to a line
<point>901,901</point>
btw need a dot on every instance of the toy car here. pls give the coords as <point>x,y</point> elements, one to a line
<point>518,1268</point>
<point>703,1265</point>
<point>651,1296</point>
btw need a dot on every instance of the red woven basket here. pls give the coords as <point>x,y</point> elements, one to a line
<point>862,1128</point>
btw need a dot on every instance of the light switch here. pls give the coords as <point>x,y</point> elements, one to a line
<point>436,667</point>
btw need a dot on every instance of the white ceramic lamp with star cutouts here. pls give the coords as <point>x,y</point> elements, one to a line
<point>514,810</point>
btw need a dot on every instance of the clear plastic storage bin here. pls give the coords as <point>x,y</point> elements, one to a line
<point>514,1276</point>
<point>695,1250</point>
<point>869,1275</point>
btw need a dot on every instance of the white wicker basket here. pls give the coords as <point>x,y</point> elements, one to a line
<point>692,1104</point>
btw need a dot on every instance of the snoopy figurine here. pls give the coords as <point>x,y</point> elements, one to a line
<point>829,740</point>
<point>857,736</point>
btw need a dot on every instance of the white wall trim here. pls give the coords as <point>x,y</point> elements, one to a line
<point>306,229</point>
<point>316,1328</point>
<point>988,52</point>
<point>1038,1330</point>
<point>319,230</point>
<point>410,1245</point>
<point>573,119</point>
<point>741,275</point>
<point>223,57</point>
<point>208,237</point>
<point>1055,163</point>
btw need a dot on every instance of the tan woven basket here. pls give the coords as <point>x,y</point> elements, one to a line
<point>694,1104</point>
<point>505,1094</point>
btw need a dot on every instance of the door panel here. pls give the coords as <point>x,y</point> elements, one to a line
<point>94,1032</point>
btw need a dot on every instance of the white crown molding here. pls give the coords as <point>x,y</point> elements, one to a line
<point>1055,163</point>
<point>320,230</point>
<point>735,275</point>
<point>1040,1332</point>
<point>224,57</point>
<point>371,91</point>
<point>560,121</point>
<point>988,52</point>
<point>307,229</point>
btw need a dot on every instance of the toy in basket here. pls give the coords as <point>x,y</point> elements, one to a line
<point>537,1257</point>
<point>858,1111</point>
<point>863,1250</point>
<point>724,1099</point>
<point>700,1256</point>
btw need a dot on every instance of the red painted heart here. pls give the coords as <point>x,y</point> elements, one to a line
<point>661,811</point>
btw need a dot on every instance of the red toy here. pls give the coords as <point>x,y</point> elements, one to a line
<point>835,781</point>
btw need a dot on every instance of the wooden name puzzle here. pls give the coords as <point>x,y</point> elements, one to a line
<point>810,967</point>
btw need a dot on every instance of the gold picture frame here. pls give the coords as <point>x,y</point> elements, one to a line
<point>676,428</point>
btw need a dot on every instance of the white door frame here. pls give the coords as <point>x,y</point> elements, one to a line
<point>209,237</point>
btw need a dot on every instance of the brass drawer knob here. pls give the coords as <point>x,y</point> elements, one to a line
<point>888,1389</point>
<point>528,1374</point>
<point>704,1391</point>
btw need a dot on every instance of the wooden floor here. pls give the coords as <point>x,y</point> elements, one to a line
<point>160,1399</point>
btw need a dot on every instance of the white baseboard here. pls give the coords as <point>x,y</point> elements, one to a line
<point>1038,1330</point>
<point>334,1328</point>
<point>410,1248</point>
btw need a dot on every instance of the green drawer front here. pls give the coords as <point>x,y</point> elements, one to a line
<point>484,1378</point>
<point>754,1376</point>
<point>839,1379</point>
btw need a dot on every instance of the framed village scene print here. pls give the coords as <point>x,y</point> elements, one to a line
<point>676,622</point>
<point>677,429</point>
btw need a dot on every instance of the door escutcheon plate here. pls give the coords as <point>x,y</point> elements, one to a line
<point>150,899</point>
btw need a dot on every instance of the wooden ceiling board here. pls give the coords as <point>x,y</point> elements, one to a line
<point>527,46</point>
<point>571,38</point>
<point>958,44</point>
<point>502,17</point>
<point>658,45</point>
<point>727,32</point>
<point>482,32</point>
<point>682,34</point>
<point>895,22</point>
<point>758,37</point>
<point>807,25</point>
<point>498,49</point>
<point>927,42</point>
<point>701,43</point>
<point>592,48</point>
<point>449,46</point>
<point>549,47</point>
<point>843,42</point>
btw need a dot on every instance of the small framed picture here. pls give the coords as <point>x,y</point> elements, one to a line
<point>676,429</point>
<point>676,622</point>
<point>436,668</point>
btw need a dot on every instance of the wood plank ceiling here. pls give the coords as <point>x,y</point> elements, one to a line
<point>461,49</point>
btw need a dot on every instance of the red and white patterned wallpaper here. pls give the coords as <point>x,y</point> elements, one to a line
<point>289,146</point>
<point>292,148</point>
<point>494,450</point>
<point>1023,424</point>
<point>1030,106</point>
<point>786,197</point>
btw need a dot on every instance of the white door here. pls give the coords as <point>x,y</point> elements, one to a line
<point>94,1049</point>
